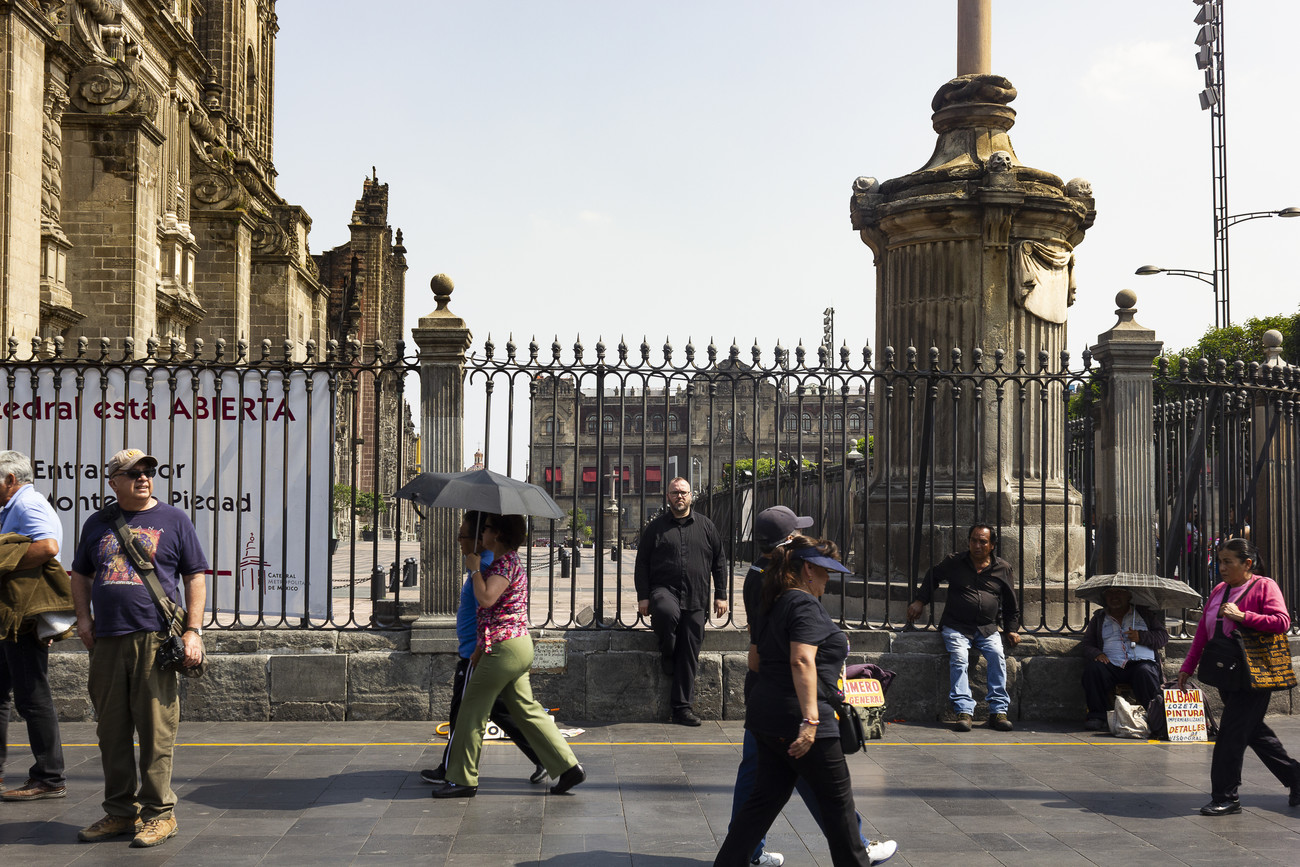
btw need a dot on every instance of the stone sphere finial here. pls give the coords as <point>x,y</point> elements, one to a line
<point>1272,338</point>
<point>866,184</point>
<point>442,288</point>
<point>1126,299</point>
<point>1078,188</point>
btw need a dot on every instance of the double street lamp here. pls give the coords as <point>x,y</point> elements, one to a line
<point>1218,279</point>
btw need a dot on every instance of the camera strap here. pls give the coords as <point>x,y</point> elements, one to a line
<point>173,615</point>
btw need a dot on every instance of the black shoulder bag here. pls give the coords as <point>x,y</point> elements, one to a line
<point>1223,661</point>
<point>853,736</point>
<point>171,653</point>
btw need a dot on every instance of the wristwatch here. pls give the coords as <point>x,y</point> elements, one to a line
<point>198,629</point>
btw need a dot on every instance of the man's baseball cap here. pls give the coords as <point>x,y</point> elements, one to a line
<point>774,524</point>
<point>128,458</point>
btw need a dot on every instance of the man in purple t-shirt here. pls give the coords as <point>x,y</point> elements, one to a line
<point>132,696</point>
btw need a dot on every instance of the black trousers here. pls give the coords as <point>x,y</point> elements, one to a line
<point>24,671</point>
<point>1099,678</point>
<point>680,632</point>
<point>824,767</point>
<point>1242,725</point>
<point>499,715</point>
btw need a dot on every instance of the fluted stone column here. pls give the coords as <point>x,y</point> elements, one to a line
<point>442,338</point>
<point>1125,463</point>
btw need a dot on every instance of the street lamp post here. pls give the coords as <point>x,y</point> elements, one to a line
<point>1218,279</point>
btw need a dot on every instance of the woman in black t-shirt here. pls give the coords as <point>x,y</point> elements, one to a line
<point>801,653</point>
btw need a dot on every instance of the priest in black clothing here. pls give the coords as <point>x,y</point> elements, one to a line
<point>677,554</point>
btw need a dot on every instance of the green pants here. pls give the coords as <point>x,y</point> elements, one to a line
<point>133,697</point>
<point>504,672</point>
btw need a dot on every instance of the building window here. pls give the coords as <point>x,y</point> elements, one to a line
<point>672,423</point>
<point>837,421</point>
<point>548,426</point>
<point>591,424</point>
<point>855,421</point>
<point>636,423</point>
<point>609,424</point>
<point>807,423</point>
<point>656,423</point>
<point>554,476</point>
<point>653,480</point>
<point>589,480</point>
<point>791,422</point>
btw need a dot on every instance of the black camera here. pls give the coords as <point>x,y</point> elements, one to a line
<point>171,654</point>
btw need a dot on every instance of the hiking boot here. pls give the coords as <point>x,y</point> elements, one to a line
<point>34,790</point>
<point>110,826</point>
<point>155,831</point>
<point>999,723</point>
<point>963,723</point>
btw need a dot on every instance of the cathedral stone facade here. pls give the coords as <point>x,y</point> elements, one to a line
<point>139,184</point>
<point>139,202</point>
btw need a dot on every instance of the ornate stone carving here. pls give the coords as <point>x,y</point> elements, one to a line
<point>215,189</point>
<point>970,89</point>
<point>999,161</point>
<point>865,184</point>
<point>269,239</point>
<point>1045,280</point>
<point>1078,188</point>
<point>112,87</point>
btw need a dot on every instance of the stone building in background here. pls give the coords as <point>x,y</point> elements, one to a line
<point>618,449</point>
<point>136,144</point>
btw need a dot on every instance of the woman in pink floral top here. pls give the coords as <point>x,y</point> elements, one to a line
<point>500,664</point>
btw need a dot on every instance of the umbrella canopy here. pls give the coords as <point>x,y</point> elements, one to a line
<point>1150,591</point>
<point>483,490</point>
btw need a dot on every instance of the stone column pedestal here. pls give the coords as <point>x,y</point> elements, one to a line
<point>1125,460</point>
<point>442,338</point>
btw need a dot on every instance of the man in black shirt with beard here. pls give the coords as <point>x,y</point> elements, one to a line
<point>980,596</point>
<point>677,554</point>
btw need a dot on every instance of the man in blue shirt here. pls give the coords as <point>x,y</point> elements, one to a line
<point>24,661</point>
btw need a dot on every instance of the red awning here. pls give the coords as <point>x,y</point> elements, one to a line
<point>589,474</point>
<point>652,474</point>
<point>554,474</point>
<point>627,474</point>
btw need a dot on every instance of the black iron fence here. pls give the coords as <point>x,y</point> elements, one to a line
<point>276,459</point>
<point>1227,451</point>
<point>287,461</point>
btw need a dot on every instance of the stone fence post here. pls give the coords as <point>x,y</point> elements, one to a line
<point>442,339</point>
<point>1125,450</point>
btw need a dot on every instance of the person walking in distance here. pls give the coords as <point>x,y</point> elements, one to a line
<point>678,552</point>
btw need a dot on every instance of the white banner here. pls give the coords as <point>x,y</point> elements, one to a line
<point>246,453</point>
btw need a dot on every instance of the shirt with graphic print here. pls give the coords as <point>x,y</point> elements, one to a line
<point>121,603</point>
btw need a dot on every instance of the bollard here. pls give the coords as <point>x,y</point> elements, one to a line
<point>564,563</point>
<point>392,577</point>
<point>377,583</point>
<point>410,572</point>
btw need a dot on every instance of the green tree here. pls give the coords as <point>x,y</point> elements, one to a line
<point>578,524</point>
<point>366,506</point>
<point>1246,340</point>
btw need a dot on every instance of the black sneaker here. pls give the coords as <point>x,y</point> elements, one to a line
<point>448,789</point>
<point>434,775</point>
<point>1221,808</point>
<point>538,775</point>
<point>686,718</point>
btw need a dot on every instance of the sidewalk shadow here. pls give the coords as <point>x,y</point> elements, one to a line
<point>38,833</point>
<point>607,858</point>
<point>303,793</point>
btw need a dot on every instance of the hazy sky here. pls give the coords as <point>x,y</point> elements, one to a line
<point>684,168</point>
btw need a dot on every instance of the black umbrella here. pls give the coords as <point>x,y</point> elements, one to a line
<point>1150,591</point>
<point>483,490</point>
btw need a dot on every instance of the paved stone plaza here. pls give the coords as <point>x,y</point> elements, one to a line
<point>660,796</point>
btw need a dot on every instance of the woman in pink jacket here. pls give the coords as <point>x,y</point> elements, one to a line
<point>1255,602</point>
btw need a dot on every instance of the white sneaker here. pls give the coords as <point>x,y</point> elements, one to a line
<point>770,859</point>
<point>880,851</point>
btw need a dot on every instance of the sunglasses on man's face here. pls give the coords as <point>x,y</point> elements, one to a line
<point>135,474</point>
